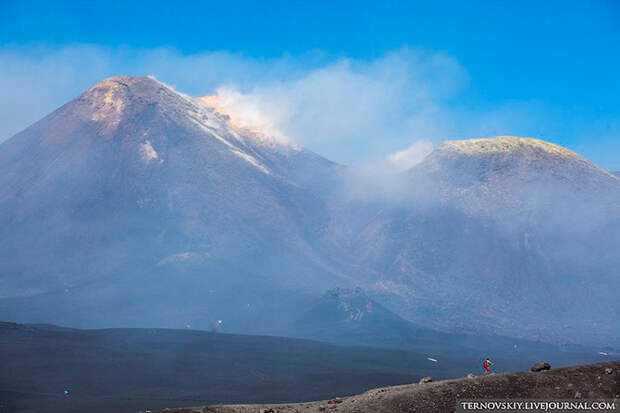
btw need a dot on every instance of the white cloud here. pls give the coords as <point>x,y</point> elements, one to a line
<point>354,111</point>
<point>250,111</point>
<point>411,156</point>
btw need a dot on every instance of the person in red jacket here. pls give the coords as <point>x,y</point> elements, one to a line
<point>487,363</point>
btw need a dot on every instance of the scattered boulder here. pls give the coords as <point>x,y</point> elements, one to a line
<point>426,379</point>
<point>335,401</point>
<point>608,370</point>
<point>471,376</point>
<point>543,365</point>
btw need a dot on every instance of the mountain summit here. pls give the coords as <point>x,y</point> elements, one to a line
<point>503,156</point>
<point>510,175</point>
<point>507,144</point>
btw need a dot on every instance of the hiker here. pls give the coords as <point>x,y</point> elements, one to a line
<point>487,365</point>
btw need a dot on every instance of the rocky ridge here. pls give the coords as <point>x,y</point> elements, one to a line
<point>594,381</point>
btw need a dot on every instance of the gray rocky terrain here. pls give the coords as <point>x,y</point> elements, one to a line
<point>594,381</point>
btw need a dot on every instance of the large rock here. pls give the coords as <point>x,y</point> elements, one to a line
<point>543,365</point>
<point>426,379</point>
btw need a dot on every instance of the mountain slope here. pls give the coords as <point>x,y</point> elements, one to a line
<point>133,187</point>
<point>349,316</point>
<point>506,235</point>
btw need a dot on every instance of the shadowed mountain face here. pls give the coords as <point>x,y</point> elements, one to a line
<point>134,205</point>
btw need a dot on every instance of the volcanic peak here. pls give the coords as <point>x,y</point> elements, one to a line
<point>506,144</point>
<point>512,149</point>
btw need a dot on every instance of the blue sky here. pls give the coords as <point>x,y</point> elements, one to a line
<point>434,70</point>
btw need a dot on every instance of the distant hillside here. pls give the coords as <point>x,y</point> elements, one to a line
<point>350,317</point>
<point>502,235</point>
<point>594,381</point>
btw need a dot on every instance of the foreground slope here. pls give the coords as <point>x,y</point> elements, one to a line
<point>594,381</point>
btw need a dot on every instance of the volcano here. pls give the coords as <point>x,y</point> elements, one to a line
<point>511,235</point>
<point>140,201</point>
<point>137,206</point>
